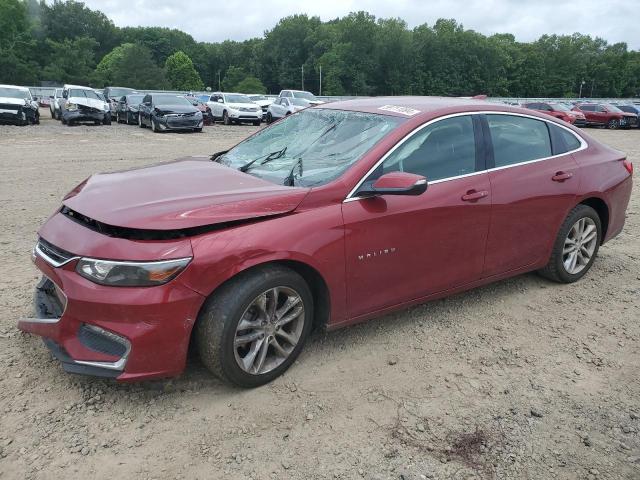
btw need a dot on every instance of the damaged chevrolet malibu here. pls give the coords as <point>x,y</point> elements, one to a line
<point>331,216</point>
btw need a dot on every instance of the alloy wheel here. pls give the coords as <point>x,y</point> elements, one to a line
<point>269,330</point>
<point>579,245</point>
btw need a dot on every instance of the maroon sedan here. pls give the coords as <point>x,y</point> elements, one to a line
<point>558,110</point>
<point>329,217</point>
<point>606,115</point>
<point>207,116</point>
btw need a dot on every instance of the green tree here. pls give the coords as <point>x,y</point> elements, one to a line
<point>131,65</point>
<point>250,84</point>
<point>233,77</point>
<point>181,73</point>
<point>16,44</point>
<point>71,61</point>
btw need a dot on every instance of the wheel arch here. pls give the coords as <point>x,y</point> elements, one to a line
<point>316,282</point>
<point>602,209</point>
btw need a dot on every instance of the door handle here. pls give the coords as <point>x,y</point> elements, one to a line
<point>473,195</point>
<point>561,176</point>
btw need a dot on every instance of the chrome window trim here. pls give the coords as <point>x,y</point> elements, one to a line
<point>583,145</point>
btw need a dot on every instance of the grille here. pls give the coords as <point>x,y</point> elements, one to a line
<point>57,255</point>
<point>85,109</point>
<point>10,106</point>
<point>101,341</point>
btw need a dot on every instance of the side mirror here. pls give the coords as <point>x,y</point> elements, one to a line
<point>65,94</point>
<point>394,183</point>
<point>220,100</point>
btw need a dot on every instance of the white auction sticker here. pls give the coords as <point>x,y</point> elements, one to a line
<point>5,110</point>
<point>410,112</point>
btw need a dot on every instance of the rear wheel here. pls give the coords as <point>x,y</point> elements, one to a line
<point>140,124</point>
<point>576,246</point>
<point>613,124</point>
<point>254,327</point>
<point>106,120</point>
<point>198,130</point>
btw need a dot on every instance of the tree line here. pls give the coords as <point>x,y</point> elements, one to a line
<point>358,54</point>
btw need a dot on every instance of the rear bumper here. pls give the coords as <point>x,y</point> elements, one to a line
<point>128,334</point>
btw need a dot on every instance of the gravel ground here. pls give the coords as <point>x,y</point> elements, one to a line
<point>521,379</point>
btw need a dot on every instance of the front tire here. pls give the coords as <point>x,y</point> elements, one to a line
<point>269,118</point>
<point>256,123</point>
<point>613,124</point>
<point>225,118</point>
<point>254,327</point>
<point>154,126</point>
<point>576,246</point>
<point>140,124</point>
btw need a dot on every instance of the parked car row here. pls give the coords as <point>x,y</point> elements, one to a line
<point>583,114</point>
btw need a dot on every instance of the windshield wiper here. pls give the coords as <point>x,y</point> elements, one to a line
<point>267,158</point>
<point>290,180</point>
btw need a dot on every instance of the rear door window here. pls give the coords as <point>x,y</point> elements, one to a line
<point>518,139</point>
<point>563,140</point>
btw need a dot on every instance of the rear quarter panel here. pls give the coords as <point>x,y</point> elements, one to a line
<point>604,176</point>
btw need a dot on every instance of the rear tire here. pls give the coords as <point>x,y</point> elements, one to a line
<point>197,130</point>
<point>217,332</point>
<point>140,124</point>
<point>106,120</point>
<point>557,269</point>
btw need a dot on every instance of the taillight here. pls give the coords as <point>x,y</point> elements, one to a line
<point>628,165</point>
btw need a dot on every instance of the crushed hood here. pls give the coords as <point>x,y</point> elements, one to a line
<point>12,101</point>
<point>87,102</point>
<point>184,194</point>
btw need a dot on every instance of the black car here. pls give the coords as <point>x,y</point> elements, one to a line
<point>163,111</point>
<point>127,110</point>
<point>17,106</point>
<point>631,109</point>
<point>112,94</point>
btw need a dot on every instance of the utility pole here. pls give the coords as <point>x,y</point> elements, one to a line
<point>320,90</point>
<point>593,82</point>
<point>580,93</point>
<point>219,84</point>
<point>302,76</point>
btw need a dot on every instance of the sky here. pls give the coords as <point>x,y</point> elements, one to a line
<point>613,20</point>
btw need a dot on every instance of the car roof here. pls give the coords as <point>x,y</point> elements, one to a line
<point>396,106</point>
<point>24,89</point>
<point>78,87</point>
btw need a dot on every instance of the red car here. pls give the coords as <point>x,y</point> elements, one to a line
<point>207,116</point>
<point>606,115</point>
<point>558,110</point>
<point>331,216</point>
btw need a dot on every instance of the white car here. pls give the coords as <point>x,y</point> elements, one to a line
<point>54,104</point>
<point>262,101</point>
<point>17,106</point>
<point>285,106</point>
<point>234,108</point>
<point>82,104</point>
<point>302,95</point>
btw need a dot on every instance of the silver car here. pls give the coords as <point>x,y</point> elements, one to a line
<point>285,106</point>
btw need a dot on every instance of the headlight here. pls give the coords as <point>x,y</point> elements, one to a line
<point>130,274</point>
<point>198,113</point>
<point>72,106</point>
<point>133,109</point>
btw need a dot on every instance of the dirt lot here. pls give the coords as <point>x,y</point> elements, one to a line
<point>522,379</point>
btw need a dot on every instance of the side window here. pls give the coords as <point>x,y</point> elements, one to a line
<point>146,99</point>
<point>586,108</point>
<point>563,140</point>
<point>518,139</point>
<point>287,94</point>
<point>444,149</point>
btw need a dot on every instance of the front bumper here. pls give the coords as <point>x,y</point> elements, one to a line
<point>16,114</point>
<point>179,122</point>
<point>245,116</point>
<point>84,115</point>
<point>125,333</point>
